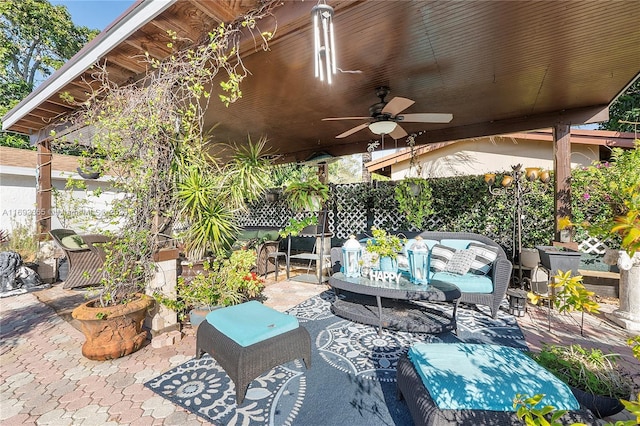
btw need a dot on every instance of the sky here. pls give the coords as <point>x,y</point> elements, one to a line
<point>95,14</point>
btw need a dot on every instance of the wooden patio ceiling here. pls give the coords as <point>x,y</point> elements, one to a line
<point>497,66</point>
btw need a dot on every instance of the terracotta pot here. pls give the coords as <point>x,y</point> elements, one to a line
<point>118,333</point>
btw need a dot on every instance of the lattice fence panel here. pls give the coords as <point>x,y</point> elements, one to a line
<point>350,210</point>
<point>263,213</point>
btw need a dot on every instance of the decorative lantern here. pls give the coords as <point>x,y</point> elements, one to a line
<point>351,254</point>
<point>517,302</point>
<point>419,262</point>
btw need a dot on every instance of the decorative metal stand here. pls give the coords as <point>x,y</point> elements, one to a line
<point>515,183</point>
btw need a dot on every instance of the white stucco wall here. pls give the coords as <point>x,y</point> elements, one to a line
<point>496,154</point>
<point>18,200</point>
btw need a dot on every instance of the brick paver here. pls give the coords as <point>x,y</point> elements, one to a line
<point>44,378</point>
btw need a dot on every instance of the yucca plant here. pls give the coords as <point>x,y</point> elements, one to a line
<point>210,194</point>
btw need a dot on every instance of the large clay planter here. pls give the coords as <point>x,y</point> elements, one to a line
<point>120,331</point>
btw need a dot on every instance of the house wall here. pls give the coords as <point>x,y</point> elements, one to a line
<point>495,154</point>
<point>18,192</point>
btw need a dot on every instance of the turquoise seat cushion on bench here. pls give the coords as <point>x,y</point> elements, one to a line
<point>251,322</point>
<point>467,283</point>
<point>485,377</point>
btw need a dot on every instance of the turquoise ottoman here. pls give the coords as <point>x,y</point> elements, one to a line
<point>250,339</point>
<point>474,384</point>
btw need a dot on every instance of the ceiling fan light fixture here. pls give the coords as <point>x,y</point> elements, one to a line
<point>383,127</point>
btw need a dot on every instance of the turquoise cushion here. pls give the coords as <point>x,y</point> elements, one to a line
<point>456,244</point>
<point>467,283</point>
<point>485,377</point>
<point>251,322</point>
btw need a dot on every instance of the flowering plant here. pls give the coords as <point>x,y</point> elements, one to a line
<point>224,282</point>
<point>612,192</point>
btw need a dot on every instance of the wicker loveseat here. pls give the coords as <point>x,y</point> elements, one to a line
<point>485,289</point>
<point>471,285</point>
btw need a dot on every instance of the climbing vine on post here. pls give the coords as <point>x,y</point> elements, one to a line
<point>149,135</point>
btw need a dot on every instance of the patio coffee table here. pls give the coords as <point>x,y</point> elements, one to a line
<point>392,305</point>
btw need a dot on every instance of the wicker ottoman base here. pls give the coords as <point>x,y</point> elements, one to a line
<point>244,364</point>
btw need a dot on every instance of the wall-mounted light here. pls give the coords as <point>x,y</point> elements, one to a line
<point>324,51</point>
<point>382,127</point>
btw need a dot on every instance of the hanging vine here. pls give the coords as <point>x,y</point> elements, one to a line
<point>149,135</point>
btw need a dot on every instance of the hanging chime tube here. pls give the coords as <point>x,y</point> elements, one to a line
<point>324,45</point>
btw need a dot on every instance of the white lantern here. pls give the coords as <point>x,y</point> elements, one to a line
<point>419,262</point>
<point>351,254</point>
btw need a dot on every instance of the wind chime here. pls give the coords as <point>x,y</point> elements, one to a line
<point>324,50</point>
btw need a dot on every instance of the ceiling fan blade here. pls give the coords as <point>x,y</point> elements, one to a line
<point>396,105</point>
<point>352,131</point>
<point>345,118</point>
<point>398,132</point>
<point>426,117</point>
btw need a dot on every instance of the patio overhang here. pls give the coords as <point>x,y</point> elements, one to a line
<point>498,67</point>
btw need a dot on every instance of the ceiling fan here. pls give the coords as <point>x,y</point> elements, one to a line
<point>384,117</point>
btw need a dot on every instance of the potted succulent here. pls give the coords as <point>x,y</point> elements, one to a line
<point>593,376</point>
<point>386,247</point>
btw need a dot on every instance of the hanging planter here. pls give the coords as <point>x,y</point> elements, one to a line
<point>272,196</point>
<point>88,173</point>
<point>414,200</point>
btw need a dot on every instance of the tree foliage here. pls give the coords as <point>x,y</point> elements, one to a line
<point>625,108</point>
<point>36,38</point>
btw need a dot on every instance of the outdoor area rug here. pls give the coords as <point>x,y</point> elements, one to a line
<point>351,380</point>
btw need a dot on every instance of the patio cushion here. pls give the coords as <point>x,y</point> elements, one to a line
<point>456,243</point>
<point>485,256</point>
<point>268,235</point>
<point>460,262</point>
<point>467,283</point>
<point>485,377</point>
<point>73,242</point>
<point>251,322</point>
<point>439,256</point>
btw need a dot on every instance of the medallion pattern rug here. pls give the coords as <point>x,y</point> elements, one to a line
<point>351,381</point>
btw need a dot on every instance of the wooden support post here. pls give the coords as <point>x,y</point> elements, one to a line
<point>562,179</point>
<point>43,189</point>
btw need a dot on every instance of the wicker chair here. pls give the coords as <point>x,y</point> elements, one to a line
<point>84,256</point>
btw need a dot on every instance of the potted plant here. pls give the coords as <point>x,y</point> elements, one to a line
<point>386,247</point>
<point>223,282</point>
<point>148,137</point>
<point>414,200</point>
<point>306,195</point>
<point>593,376</point>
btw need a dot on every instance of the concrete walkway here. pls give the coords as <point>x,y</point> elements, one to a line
<point>46,380</point>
